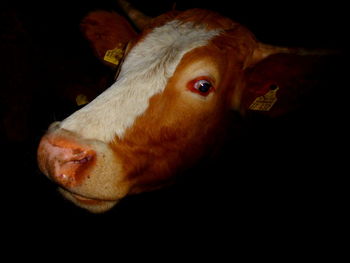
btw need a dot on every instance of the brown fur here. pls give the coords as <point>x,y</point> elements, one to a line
<point>174,133</point>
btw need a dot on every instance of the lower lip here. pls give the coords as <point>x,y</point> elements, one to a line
<point>85,200</point>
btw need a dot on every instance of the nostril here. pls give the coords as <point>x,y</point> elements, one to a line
<point>65,161</point>
<point>81,158</point>
<point>70,168</point>
<point>84,160</point>
<point>76,155</point>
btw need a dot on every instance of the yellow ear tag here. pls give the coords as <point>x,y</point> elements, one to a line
<point>81,99</point>
<point>265,102</point>
<point>114,55</point>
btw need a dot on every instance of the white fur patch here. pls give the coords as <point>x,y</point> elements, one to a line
<point>145,72</point>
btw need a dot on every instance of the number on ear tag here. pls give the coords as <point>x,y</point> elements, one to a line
<point>265,102</point>
<point>114,56</point>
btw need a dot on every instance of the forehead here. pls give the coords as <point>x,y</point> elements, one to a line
<point>160,51</point>
<point>144,73</point>
<point>202,61</point>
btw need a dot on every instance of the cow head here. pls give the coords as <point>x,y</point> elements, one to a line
<point>181,77</point>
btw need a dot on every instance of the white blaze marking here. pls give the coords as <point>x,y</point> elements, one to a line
<point>144,73</point>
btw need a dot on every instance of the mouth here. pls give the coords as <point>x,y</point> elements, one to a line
<point>91,204</point>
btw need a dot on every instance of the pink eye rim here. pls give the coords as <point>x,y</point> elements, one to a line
<point>201,85</point>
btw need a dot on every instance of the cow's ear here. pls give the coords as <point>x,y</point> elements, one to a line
<point>108,34</point>
<point>280,80</point>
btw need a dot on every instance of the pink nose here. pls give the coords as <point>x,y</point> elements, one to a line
<point>64,160</point>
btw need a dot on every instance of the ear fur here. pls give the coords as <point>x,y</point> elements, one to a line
<point>263,51</point>
<point>294,74</point>
<point>106,31</point>
<point>253,57</point>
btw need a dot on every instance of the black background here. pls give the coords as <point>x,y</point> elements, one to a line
<point>281,181</point>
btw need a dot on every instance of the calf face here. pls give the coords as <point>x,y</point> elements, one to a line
<point>167,109</point>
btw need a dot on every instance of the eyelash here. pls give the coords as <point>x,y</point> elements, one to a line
<point>201,82</point>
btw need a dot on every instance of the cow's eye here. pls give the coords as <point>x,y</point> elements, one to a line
<point>202,86</point>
